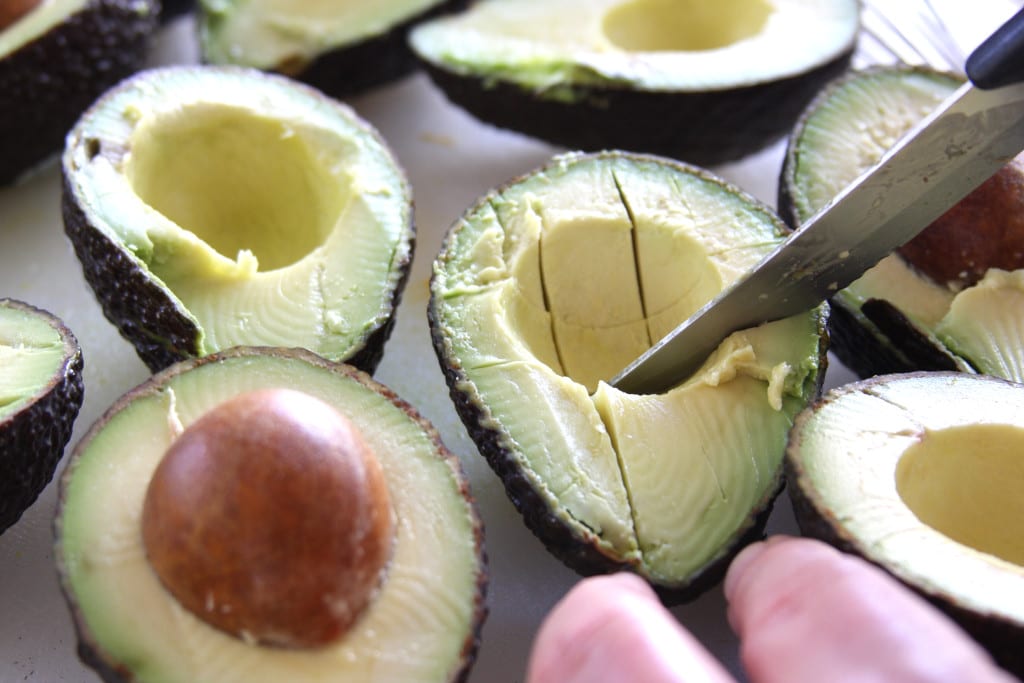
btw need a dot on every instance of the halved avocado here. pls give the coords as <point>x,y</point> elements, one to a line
<point>55,59</point>
<point>920,473</point>
<point>213,207</point>
<point>705,81</point>
<point>916,309</point>
<point>548,287</point>
<point>340,47</point>
<point>40,394</point>
<point>421,624</point>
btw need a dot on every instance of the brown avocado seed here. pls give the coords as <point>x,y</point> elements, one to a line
<point>269,518</point>
<point>12,10</point>
<point>984,230</point>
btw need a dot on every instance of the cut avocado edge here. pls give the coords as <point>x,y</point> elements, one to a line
<point>410,450</point>
<point>187,281</point>
<point>37,413</point>
<point>873,425</point>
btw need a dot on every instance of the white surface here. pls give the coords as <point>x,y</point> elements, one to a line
<point>451,160</point>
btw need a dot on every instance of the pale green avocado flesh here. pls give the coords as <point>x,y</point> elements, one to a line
<point>921,474</point>
<point>419,627</point>
<point>550,286</point>
<point>269,214</point>
<point>843,135</point>
<point>31,355</point>
<point>552,45</point>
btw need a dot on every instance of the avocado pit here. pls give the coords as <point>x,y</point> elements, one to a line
<point>269,518</point>
<point>13,10</point>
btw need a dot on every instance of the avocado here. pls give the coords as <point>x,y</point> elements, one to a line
<point>55,59</point>
<point>549,286</point>
<point>171,9</point>
<point>701,81</point>
<point>136,463</point>
<point>220,206</point>
<point>916,309</point>
<point>41,392</point>
<point>342,48</point>
<point>920,473</point>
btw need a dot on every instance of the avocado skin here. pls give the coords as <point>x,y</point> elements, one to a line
<point>90,653</point>
<point>32,440</point>
<point>171,9</point>
<point>48,82</point>
<point>703,128</point>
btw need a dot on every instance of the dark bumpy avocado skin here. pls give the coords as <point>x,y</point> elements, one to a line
<point>172,9</point>
<point>48,82</point>
<point>703,128</point>
<point>33,439</point>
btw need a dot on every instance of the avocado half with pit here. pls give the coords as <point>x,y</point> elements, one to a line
<point>41,392</point>
<point>920,473</point>
<point>341,47</point>
<point>704,81</point>
<point>265,514</point>
<point>214,207</point>
<point>951,298</point>
<point>56,57</point>
<point>549,286</point>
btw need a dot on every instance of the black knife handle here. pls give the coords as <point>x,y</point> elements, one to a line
<point>999,60</point>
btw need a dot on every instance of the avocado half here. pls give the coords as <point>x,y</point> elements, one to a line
<point>423,622</point>
<point>343,47</point>
<point>549,286</point>
<point>704,81</point>
<point>920,473</point>
<point>950,298</point>
<point>54,61</point>
<point>213,207</point>
<point>41,392</point>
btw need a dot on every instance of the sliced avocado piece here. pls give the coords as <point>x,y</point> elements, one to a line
<point>212,207</point>
<point>421,624</point>
<point>41,392</point>
<point>890,319</point>
<point>56,57</point>
<point>704,81</point>
<point>340,47</point>
<point>920,473</point>
<point>550,285</point>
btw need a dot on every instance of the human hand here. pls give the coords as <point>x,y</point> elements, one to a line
<point>803,611</point>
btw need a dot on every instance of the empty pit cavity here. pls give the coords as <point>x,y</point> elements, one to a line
<point>238,181</point>
<point>684,25</point>
<point>965,483</point>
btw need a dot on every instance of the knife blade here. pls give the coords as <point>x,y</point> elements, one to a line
<point>969,137</point>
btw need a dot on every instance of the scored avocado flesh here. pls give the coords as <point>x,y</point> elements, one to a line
<point>31,354</point>
<point>557,282</point>
<point>418,626</point>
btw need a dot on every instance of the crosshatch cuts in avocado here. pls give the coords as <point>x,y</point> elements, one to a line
<point>426,606</point>
<point>220,206</point>
<point>56,57</point>
<point>703,81</point>
<point>41,391</point>
<point>550,285</point>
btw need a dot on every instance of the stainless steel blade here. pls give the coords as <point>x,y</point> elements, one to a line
<point>955,149</point>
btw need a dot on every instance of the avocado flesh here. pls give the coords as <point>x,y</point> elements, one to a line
<point>845,132</point>
<point>31,354</point>
<point>917,473</point>
<point>584,241</point>
<point>283,227</point>
<point>421,625</point>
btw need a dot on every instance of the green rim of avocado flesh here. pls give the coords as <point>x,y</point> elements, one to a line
<point>699,80</point>
<point>218,206</point>
<point>425,619</point>
<point>41,392</point>
<point>550,285</point>
<point>55,61</point>
<point>343,48</point>
<point>916,472</point>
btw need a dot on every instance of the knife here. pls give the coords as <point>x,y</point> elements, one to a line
<point>973,134</point>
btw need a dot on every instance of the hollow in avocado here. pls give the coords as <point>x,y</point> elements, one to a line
<point>214,207</point>
<point>266,515</point>
<point>549,286</point>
